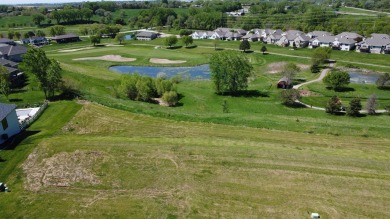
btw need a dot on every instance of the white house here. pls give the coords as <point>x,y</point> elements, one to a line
<point>377,43</point>
<point>344,44</point>
<point>9,124</point>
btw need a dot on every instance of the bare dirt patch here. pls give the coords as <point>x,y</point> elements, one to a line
<point>277,67</point>
<point>61,170</point>
<point>75,50</point>
<point>112,58</point>
<point>166,61</point>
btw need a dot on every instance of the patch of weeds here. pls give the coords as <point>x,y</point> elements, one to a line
<point>171,216</point>
<point>175,148</point>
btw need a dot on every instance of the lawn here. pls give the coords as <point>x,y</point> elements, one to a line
<point>112,163</point>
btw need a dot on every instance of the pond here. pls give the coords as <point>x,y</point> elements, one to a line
<point>357,77</point>
<point>189,73</point>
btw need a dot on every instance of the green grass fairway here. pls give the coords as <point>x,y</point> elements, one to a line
<point>111,163</point>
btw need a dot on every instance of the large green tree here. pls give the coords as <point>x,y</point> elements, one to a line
<point>38,18</point>
<point>5,85</point>
<point>170,41</point>
<point>230,71</point>
<point>245,45</point>
<point>321,54</point>
<point>383,81</point>
<point>187,40</point>
<point>94,39</point>
<point>45,70</point>
<point>336,79</point>
<point>57,30</point>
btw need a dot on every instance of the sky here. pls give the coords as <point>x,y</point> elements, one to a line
<point>14,2</point>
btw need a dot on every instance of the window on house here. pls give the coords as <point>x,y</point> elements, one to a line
<point>4,123</point>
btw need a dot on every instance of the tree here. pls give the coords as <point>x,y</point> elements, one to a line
<point>383,81</point>
<point>321,54</point>
<point>336,79</point>
<point>36,63</point>
<point>5,85</point>
<point>371,104</point>
<point>57,30</point>
<point>187,40</point>
<point>53,77</point>
<point>245,45</point>
<point>40,33</point>
<point>290,70</point>
<point>263,49</point>
<point>290,96</point>
<point>354,107</point>
<point>230,72</point>
<point>315,68</point>
<point>18,35</point>
<point>170,41</point>
<point>94,39</point>
<point>145,88</point>
<point>120,37</point>
<point>38,18</point>
<point>170,97</point>
<point>333,105</point>
<point>11,34</point>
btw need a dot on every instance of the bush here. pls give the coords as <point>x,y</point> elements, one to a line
<point>289,96</point>
<point>315,68</point>
<point>171,98</point>
<point>334,105</point>
<point>354,107</point>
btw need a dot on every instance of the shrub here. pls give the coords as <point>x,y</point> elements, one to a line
<point>334,105</point>
<point>171,98</point>
<point>354,107</point>
<point>289,96</point>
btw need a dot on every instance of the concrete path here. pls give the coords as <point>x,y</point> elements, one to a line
<point>322,75</point>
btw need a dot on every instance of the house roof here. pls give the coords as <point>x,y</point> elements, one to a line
<point>6,109</point>
<point>146,34</point>
<point>317,33</point>
<point>285,79</point>
<point>346,41</point>
<point>11,70</point>
<point>275,36</point>
<point>65,36</point>
<point>326,39</point>
<point>12,50</point>
<point>6,40</point>
<point>303,37</point>
<point>377,41</point>
<point>6,62</point>
<point>349,35</point>
<point>380,36</point>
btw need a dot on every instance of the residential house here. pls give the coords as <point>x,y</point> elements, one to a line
<point>12,53</point>
<point>7,41</point>
<point>288,38</point>
<point>35,41</point>
<point>251,37</point>
<point>301,41</point>
<point>228,34</point>
<point>9,125</point>
<point>146,35</point>
<point>350,35</point>
<point>67,38</point>
<point>218,35</point>
<point>201,34</point>
<point>344,44</point>
<point>321,41</point>
<point>273,38</point>
<point>377,43</point>
<point>315,34</point>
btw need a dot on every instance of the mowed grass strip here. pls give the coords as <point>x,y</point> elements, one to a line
<point>159,168</point>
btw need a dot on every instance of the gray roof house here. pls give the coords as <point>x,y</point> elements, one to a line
<point>7,41</point>
<point>9,124</point>
<point>66,38</point>
<point>301,41</point>
<point>350,35</point>
<point>377,43</point>
<point>146,35</point>
<point>13,53</point>
<point>273,38</point>
<point>35,41</point>
<point>317,33</point>
<point>344,44</point>
<point>321,41</point>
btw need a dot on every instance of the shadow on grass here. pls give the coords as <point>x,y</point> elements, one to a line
<point>219,49</point>
<point>15,100</point>
<point>247,93</point>
<point>69,94</point>
<point>342,89</point>
<point>191,47</point>
<point>384,88</point>
<point>295,105</point>
<point>14,141</point>
<point>174,47</point>
<point>248,51</point>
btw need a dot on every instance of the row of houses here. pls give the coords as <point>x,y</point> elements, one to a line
<point>346,41</point>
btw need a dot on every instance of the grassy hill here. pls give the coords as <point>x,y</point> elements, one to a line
<point>111,163</point>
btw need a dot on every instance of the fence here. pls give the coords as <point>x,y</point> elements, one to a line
<point>26,123</point>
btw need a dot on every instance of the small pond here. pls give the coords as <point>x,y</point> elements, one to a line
<point>357,77</point>
<point>189,73</point>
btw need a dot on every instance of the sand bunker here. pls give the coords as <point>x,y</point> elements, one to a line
<point>75,50</point>
<point>112,58</point>
<point>166,61</point>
